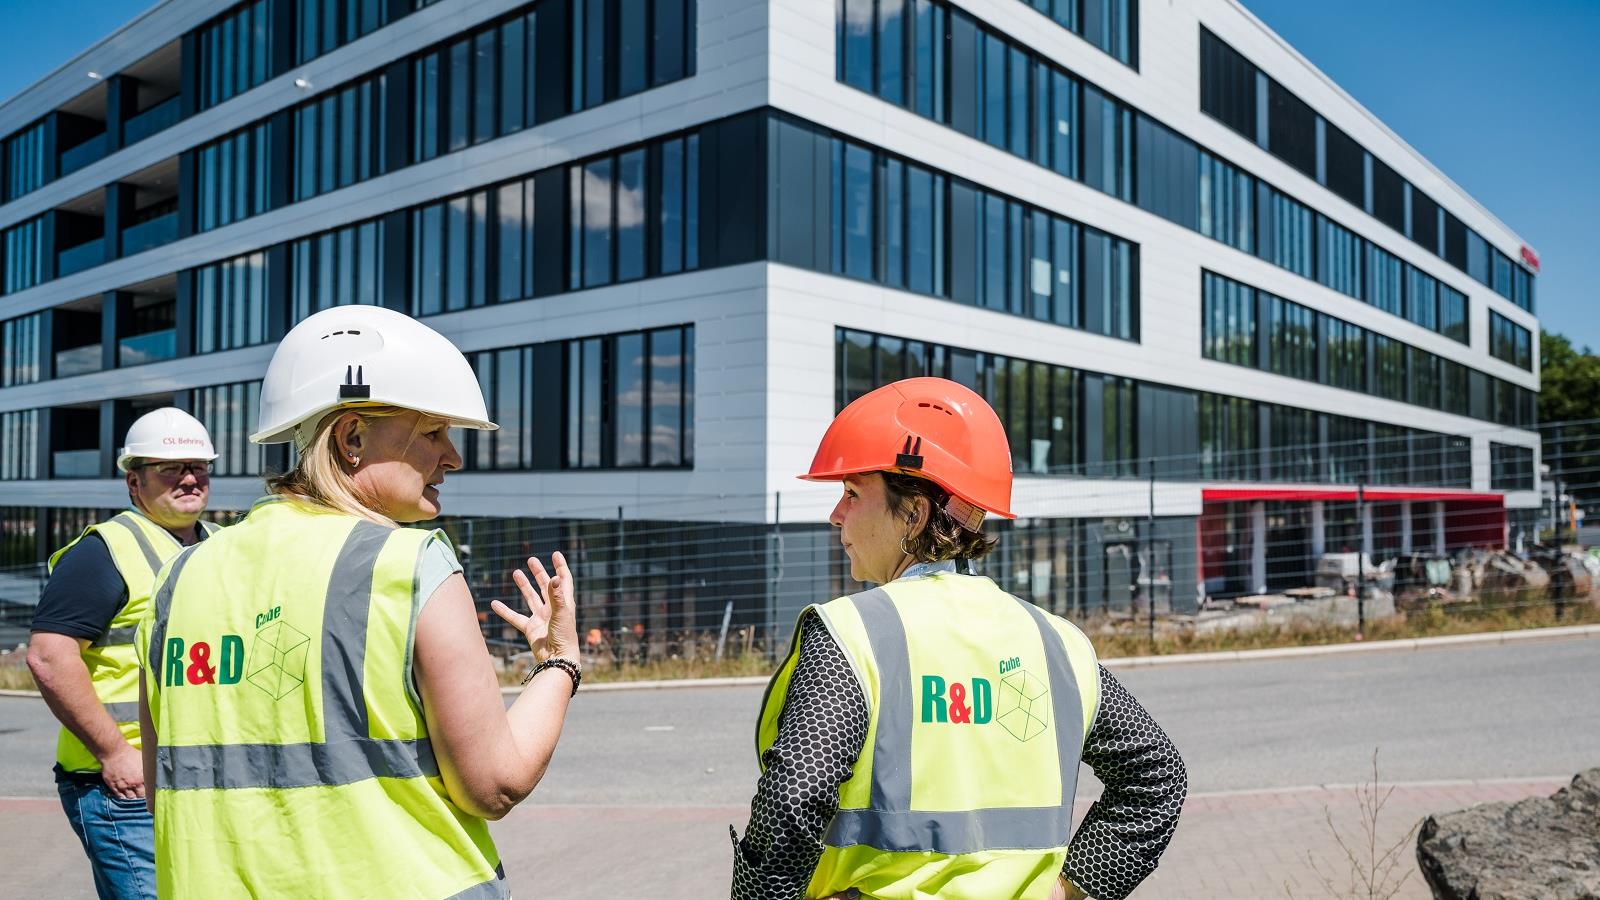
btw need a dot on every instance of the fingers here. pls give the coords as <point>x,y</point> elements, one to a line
<point>515,619</point>
<point>529,595</point>
<point>540,576</point>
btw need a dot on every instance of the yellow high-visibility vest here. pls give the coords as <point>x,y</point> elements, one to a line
<point>293,758</point>
<point>139,547</point>
<point>979,705</point>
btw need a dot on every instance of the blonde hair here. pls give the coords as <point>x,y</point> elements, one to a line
<point>319,477</point>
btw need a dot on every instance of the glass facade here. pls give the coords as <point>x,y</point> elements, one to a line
<point>885,219</point>
<point>322,26</point>
<point>1249,327</point>
<point>229,413</point>
<point>19,350</point>
<point>449,254</point>
<point>24,159</point>
<point>24,247</point>
<point>624,401</point>
<point>337,268</point>
<point>230,304</point>
<point>1511,468</point>
<point>339,138</point>
<point>1239,95</point>
<point>233,177</point>
<point>1066,421</point>
<point>19,445</point>
<point>234,52</point>
<point>1510,342</point>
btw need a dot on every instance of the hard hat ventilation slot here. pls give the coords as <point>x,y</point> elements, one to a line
<point>926,405</point>
<point>354,387</point>
<point>910,456</point>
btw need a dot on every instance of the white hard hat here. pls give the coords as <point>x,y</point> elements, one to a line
<point>166,433</point>
<point>364,356</point>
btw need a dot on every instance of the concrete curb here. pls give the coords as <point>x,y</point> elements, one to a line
<point>1139,662</point>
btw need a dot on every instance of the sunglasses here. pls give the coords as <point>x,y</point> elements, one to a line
<point>179,469</point>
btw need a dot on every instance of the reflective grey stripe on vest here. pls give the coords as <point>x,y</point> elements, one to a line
<point>494,889</point>
<point>890,823</point>
<point>347,753</point>
<point>115,637</point>
<point>123,712</point>
<point>126,520</point>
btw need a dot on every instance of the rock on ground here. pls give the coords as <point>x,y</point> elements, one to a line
<point>1546,847</point>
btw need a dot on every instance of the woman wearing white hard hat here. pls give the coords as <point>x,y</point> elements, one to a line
<point>82,652</point>
<point>324,715</point>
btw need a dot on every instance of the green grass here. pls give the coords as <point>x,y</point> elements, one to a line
<point>1464,618</point>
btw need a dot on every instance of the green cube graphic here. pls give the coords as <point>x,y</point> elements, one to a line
<point>1024,705</point>
<point>278,659</point>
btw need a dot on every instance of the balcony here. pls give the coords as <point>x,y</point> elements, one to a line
<point>162,116</point>
<point>84,256</point>
<point>145,235</point>
<point>78,361</point>
<point>75,464</point>
<point>152,346</point>
<point>92,150</point>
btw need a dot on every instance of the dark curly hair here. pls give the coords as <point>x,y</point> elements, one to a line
<point>943,538</point>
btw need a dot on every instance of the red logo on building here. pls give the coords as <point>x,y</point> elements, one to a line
<point>1530,257</point>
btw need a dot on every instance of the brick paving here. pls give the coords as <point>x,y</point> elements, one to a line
<point>1247,844</point>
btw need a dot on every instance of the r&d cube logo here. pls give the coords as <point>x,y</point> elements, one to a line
<point>1024,705</point>
<point>1023,709</point>
<point>278,658</point>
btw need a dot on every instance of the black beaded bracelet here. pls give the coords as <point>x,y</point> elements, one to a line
<point>573,670</point>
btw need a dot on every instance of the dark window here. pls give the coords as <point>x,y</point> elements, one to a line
<point>1229,436</point>
<point>1296,450</point>
<point>1339,258</point>
<point>1167,167</point>
<point>1452,313</point>
<point>233,177</point>
<point>337,268</point>
<point>24,161</point>
<point>19,350</point>
<point>19,445</point>
<point>1344,166</point>
<point>1348,447</point>
<point>1385,280</point>
<point>1107,144</point>
<point>1290,334</point>
<point>1522,288</point>
<point>1227,203</point>
<point>339,139</point>
<point>449,249</point>
<point>1229,321</point>
<point>1477,257</point>
<point>229,413</point>
<point>1511,468</point>
<point>1454,388</point>
<point>23,246</point>
<point>325,25</point>
<point>1501,271</point>
<point>1422,298</point>
<point>1388,196</point>
<point>1455,242</point>
<point>856,33</point>
<point>629,400</point>
<point>1227,85</point>
<point>1425,378</point>
<point>230,304</point>
<point>1389,368</point>
<point>234,52</point>
<point>1391,454</point>
<point>1119,445</point>
<point>1424,221</point>
<point>1286,232</point>
<point>1113,26</point>
<point>1110,293</point>
<point>1347,354</point>
<point>1291,129</point>
<point>1510,342</point>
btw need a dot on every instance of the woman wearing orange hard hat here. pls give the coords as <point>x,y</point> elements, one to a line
<point>923,738</point>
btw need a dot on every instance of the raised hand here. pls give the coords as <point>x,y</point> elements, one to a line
<point>551,627</point>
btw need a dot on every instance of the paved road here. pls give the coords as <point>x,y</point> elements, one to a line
<point>662,773</point>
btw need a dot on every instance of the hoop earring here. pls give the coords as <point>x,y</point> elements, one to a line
<point>903,548</point>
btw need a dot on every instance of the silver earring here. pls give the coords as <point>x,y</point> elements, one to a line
<point>355,460</point>
<point>903,548</point>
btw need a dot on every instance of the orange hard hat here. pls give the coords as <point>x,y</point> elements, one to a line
<point>932,428</point>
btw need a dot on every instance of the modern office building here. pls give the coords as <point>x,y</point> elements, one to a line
<point>1230,318</point>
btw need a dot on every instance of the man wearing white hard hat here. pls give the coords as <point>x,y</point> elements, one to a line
<point>82,652</point>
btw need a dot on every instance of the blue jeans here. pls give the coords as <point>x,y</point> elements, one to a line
<point>119,837</point>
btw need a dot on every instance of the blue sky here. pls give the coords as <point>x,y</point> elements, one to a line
<point>1502,98</point>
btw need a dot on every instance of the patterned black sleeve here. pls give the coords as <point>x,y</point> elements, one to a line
<point>1125,832</point>
<point>821,732</point>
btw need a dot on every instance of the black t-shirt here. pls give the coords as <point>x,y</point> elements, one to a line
<point>84,593</point>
